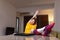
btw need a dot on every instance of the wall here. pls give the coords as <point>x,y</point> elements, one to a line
<point>7,16</point>
<point>57,15</point>
<point>46,9</point>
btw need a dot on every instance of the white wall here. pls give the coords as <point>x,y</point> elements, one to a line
<point>7,16</point>
<point>46,9</point>
<point>57,15</point>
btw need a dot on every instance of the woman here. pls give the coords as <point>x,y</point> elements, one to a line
<point>32,24</point>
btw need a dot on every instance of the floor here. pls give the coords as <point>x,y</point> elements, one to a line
<point>12,37</point>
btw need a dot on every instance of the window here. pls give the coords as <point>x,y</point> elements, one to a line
<point>17,25</point>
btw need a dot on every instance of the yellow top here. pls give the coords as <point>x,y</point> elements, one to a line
<point>29,27</point>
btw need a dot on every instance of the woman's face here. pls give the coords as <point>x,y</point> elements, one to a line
<point>32,21</point>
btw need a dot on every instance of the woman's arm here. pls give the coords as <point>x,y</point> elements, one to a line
<point>35,15</point>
